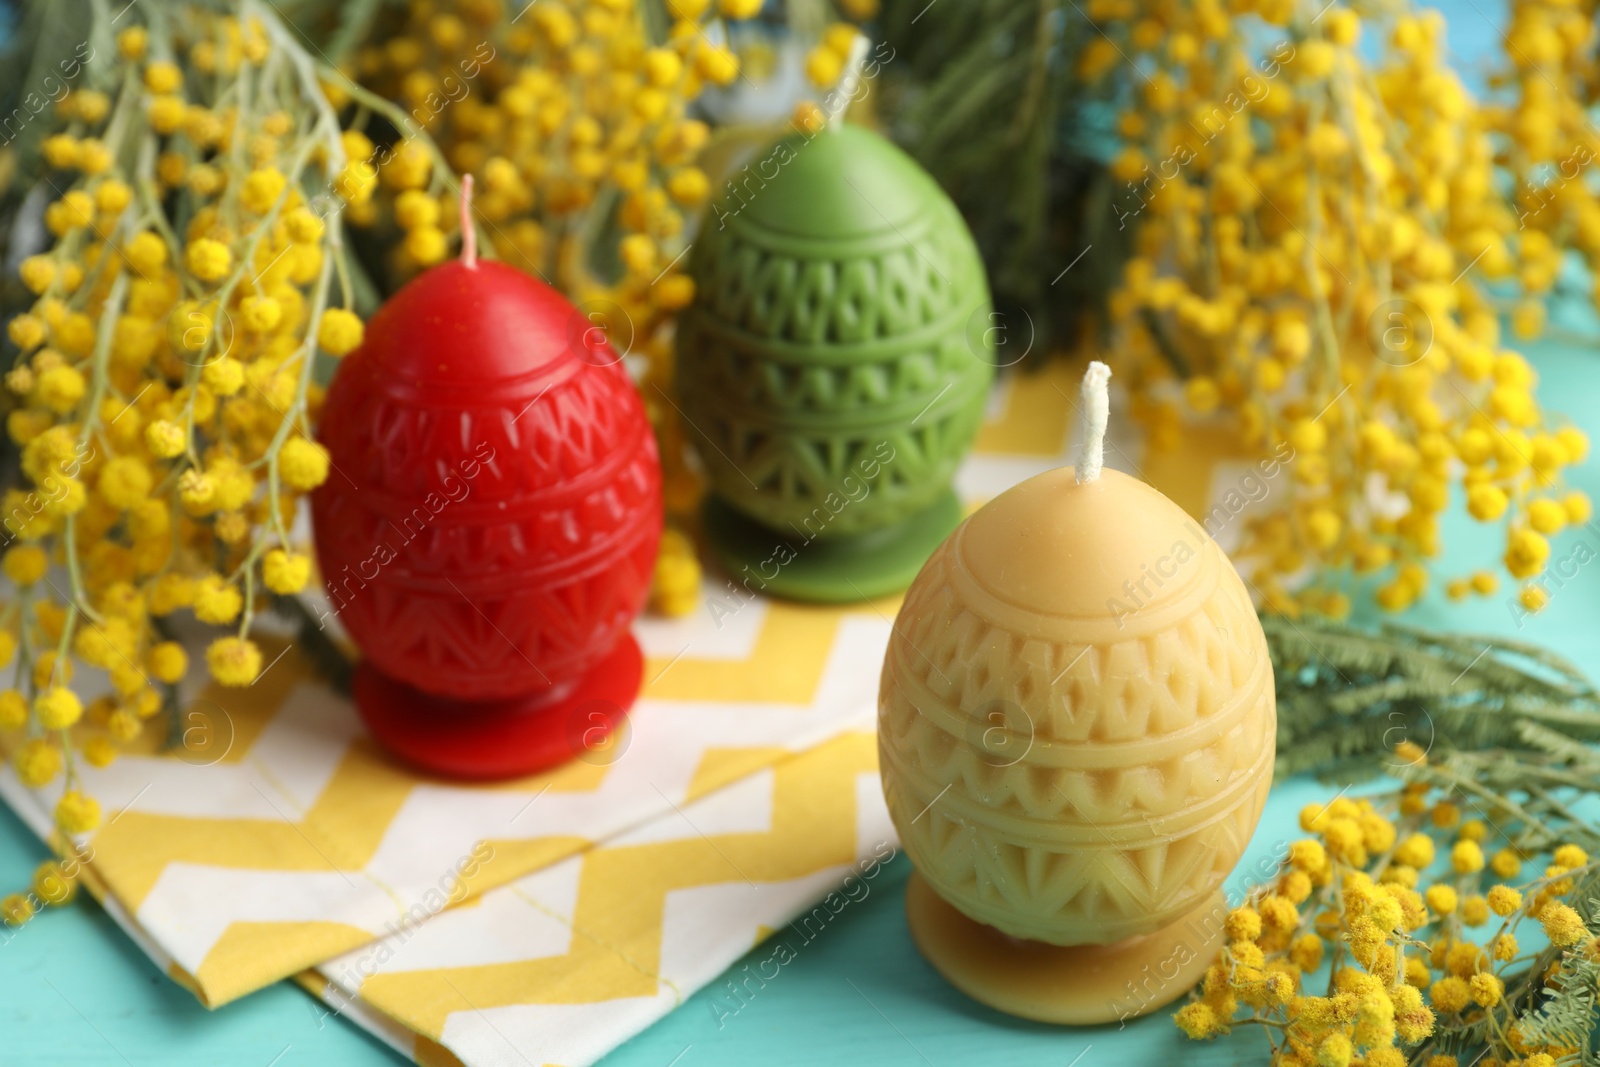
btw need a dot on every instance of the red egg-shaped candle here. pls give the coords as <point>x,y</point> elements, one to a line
<point>489,528</point>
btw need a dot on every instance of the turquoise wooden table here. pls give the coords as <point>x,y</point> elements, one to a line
<point>74,990</point>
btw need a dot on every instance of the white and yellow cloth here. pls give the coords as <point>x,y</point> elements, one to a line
<point>544,920</point>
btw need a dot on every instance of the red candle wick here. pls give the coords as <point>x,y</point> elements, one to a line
<point>469,235</point>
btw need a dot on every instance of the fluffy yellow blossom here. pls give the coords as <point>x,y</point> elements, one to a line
<point>1466,857</point>
<point>99,751</point>
<point>1570,856</point>
<point>1278,913</point>
<point>38,273</point>
<point>1411,753</point>
<point>113,197</point>
<point>163,77</point>
<point>146,252</point>
<point>1306,952</point>
<point>167,662</point>
<point>48,668</point>
<point>340,332</point>
<point>234,662</point>
<point>1526,553</point>
<point>1335,1050</point>
<point>1487,502</point>
<point>1344,840</point>
<point>60,151</point>
<point>1296,887</point>
<point>285,572</point>
<point>25,564</point>
<point>261,189</point>
<point>53,885</point>
<point>165,439</point>
<point>13,710</point>
<point>823,66</point>
<point>414,208</point>
<point>1450,994</point>
<point>1485,989</point>
<point>260,314</point>
<point>170,592</point>
<point>1199,1021</point>
<point>124,482</point>
<point>60,388</point>
<point>1562,925</point>
<point>1243,924</point>
<point>1247,953</point>
<point>26,331</point>
<point>95,158</point>
<point>16,909</point>
<point>1506,863</point>
<point>717,65</point>
<point>356,182</point>
<point>224,376</point>
<point>77,813</point>
<point>1386,911</point>
<point>57,708</point>
<point>304,226</point>
<point>1308,855</point>
<point>675,584</point>
<point>303,464</point>
<point>209,260</point>
<point>196,489</point>
<point>689,186</point>
<point>1415,851</point>
<point>1464,958</point>
<point>1366,939</point>
<point>426,245</point>
<point>124,725</point>
<point>73,211</point>
<point>216,600</point>
<point>1441,899</point>
<point>1417,973</point>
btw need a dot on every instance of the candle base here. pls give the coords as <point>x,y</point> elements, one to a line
<point>484,740</point>
<point>833,570</point>
<point>1074,985</point>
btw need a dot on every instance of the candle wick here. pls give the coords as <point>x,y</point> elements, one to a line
<point>1096,405</point>
<point>839,99</point>
<point>469,235</point>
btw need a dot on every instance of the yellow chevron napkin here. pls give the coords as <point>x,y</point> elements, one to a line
<point>289,837</point>
<point>434,913</point>
<point>563,965</point>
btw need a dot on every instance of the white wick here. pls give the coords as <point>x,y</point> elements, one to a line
<point>1091,452</point>
<point>469,235</point>
<point>848,81</point>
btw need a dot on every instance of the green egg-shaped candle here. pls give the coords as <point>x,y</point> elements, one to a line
<point>833,367</point>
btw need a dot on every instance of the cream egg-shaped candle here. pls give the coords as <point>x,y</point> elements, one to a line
<point>1076,737</point>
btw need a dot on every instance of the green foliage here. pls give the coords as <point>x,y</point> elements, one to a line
<point>985,94</point>
<point>1516,713</point>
